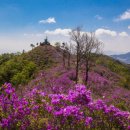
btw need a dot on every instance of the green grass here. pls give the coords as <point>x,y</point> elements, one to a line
<point>119,68</point>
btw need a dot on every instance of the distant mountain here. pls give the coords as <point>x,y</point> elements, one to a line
<point>123,57</point>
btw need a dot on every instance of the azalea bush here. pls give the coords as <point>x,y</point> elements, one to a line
<point>73,110</point>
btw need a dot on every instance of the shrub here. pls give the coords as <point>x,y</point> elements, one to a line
<point>17,71</point>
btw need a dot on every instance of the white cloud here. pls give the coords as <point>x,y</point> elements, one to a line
<point>98,17</point>
<point>58,31</point>
<point>102,31</point>
<point>124,16</point>
<point>49,20</point>
<point>129,27</point>
<point>123,34</point>
<point>116,42</point>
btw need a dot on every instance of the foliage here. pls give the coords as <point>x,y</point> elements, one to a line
<point>118,68</point>
<point>58,46</point>
<point>5,57</point>
<point>17,71</point>
<point>52,101</point>
<point>42,56</point>
<point>74,110</point>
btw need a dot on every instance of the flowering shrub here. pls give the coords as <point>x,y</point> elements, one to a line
<point>70,111</point>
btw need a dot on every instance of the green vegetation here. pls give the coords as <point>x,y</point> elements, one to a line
<point>5,57</point>
<point>117,67</point>
<point>42,56</point>
<point>21,68</point>
<point>16,70</point>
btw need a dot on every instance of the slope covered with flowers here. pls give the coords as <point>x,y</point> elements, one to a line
<point>54,102</point>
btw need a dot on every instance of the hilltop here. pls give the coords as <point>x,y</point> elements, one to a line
<point>47,57</point>
<point>44,56</point>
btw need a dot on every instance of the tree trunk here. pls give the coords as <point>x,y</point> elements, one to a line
<point>69,60</point>
<point>63,59</point>
<point>63,62</point>
<point>77,68</point>
<point>87,70</point>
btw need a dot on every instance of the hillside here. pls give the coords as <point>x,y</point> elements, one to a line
<point>105,77</point>
<point>50,95</point>
<point>47,57</point>
<point>117,67</point>
<point>21,68</point>
<point>44,56</point>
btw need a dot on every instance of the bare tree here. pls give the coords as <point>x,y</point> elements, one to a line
<point>58,46</point>
<point>77,37</point>
<point>69,50</point>
<point>91,46</point>
<point>63,47</point>
<point>37,44</point>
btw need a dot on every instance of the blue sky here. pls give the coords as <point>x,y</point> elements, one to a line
<point>23,22</point>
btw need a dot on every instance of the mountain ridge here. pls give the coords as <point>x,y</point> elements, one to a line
<point>123,57</point>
